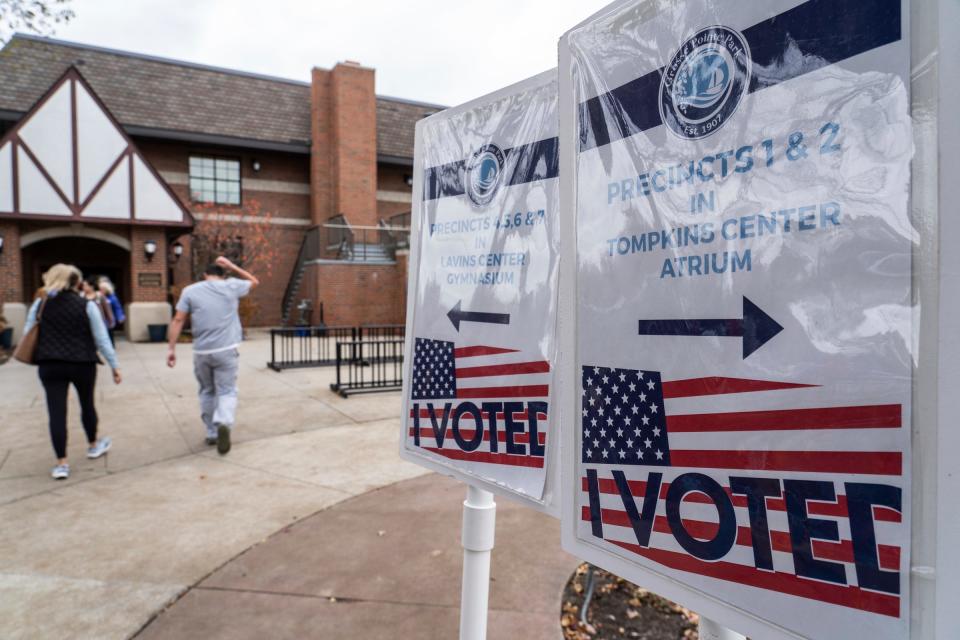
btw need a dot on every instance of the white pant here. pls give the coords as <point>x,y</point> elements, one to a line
<point>217,375</point>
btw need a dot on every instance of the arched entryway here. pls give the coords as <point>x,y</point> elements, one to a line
<point>91,255</point>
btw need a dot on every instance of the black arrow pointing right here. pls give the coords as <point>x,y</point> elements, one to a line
<point>756,327</point>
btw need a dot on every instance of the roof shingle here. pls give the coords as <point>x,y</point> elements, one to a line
<point>155,93</point>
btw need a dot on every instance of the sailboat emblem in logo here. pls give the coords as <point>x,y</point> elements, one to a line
<point>704,81</point>
<point>483,173</point>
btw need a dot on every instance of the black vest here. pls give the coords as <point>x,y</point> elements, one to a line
<point>65,334</point>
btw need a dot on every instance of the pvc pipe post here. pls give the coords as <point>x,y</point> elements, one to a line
<point>479,525</point>
<point>710,630</point>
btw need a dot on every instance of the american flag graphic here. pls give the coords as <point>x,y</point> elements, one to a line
<point>638,430</point>
<point>455,388</point>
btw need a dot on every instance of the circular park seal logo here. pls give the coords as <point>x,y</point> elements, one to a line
<point>704,81</point>
<point>484,170</point>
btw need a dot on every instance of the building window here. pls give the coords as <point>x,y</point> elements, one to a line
<point>214,180</point>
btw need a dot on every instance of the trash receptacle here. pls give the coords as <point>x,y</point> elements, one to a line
<point>158,332</point>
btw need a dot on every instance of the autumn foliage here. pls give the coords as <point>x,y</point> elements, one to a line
<point>241,233</point>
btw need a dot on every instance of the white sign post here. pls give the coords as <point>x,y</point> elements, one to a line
<point>482,312</point>
<point>738,270</point>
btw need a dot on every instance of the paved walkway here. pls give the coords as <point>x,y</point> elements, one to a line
<point>382,566</point>
<point>99,555</point>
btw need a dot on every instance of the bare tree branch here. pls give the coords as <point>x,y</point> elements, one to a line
<point>36,16</point>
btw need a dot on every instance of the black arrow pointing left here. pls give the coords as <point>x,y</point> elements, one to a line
<point>457,316</point>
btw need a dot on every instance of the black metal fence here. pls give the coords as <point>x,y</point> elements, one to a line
<point>298,347</point>
<point>381,332</point>
<point>365,367</point>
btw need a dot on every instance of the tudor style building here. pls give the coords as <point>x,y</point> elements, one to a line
<point>127,165</point>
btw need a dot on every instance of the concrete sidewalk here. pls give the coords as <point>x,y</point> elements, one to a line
<point>381,566</point>
<point>99,555</point>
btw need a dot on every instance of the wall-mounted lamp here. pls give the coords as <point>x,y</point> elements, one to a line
<point>408,179</point>
<point>177,251</point>
<point>149,249</point>
<point>256,165</point>
<point>1,244</point>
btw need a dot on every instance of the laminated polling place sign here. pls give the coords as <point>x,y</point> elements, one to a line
<point>739,265</point>
<point>481,318</point>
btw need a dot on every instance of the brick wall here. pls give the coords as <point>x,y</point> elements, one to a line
<point>267,191</point>
<point>11,288</point>
<point>392,177</point>
<point>354,115</point>
<point>387,209</point>
<point>139,265</point>
<point>268,297</point>
<point>344,136</point>
<point>289,171</point>
<point>393,193</point>
<point>355,293</point>
<point>264,306</point>
<point>321,141</point>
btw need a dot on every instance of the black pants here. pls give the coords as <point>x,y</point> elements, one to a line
<point>57,378</point>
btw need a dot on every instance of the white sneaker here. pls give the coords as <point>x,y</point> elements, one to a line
<point>99,448</point>
<point>61,472</point>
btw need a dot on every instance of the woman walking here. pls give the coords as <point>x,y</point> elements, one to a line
<point>109,292</point>
<point>91,291</point>
<point>71,331</point>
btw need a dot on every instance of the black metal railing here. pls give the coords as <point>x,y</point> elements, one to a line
<point>400,220</point>
<point>395,233</point>
<point>309,250</point>
<point>299,347</point>
<point>340,239</point>
<point>356,243</point>
<point>382,332</point>
<point>368,366</point>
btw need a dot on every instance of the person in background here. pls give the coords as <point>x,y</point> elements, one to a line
<point>91,292</point>
<point>212,305</point>
<point>109,292</point>
<point>71,332</point>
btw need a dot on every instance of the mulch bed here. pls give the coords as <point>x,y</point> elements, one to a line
<point>620,609</point>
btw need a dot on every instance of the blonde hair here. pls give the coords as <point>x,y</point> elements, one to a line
<point>61,276</point>
<point>104,284</point>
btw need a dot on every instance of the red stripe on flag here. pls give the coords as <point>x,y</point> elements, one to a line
<point>489,458</point>
<point>717,386</point>
<point>513,369</point>
<point>468,434</point>
<point>885,463</point>
<point>841,551</point>
<point>520,391</point>
<point>834,510</point>
<point>885,416</point>
<point>469,352</point>
<point>847,596</point>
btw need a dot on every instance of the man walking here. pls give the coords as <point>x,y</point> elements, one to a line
<point>212,306</point>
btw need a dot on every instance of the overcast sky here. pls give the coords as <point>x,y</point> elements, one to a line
<point>440,52</point>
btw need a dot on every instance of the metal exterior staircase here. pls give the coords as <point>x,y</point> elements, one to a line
<point>345,243</point>
<point>309,251</point>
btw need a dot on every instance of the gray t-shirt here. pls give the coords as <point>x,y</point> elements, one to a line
<point>212,305</point>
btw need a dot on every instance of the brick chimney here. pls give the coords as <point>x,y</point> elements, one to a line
<point>343,164</point>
